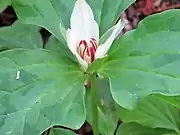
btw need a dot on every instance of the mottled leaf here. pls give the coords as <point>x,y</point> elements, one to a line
<point>20,35</point>
<point>49,90</point>
<point>145,61</point>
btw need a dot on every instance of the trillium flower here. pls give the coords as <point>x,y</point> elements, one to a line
<point>83,37</point>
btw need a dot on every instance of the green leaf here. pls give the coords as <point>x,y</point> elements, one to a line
<point>54,12</point>
<point>108,117</point>
<point>49,91</point>
<point>32,12</point>
<point>61,48</point>
<point>173,100</point>
<point>145,61</point>
<point>135,129</point>
<point>20,36</point>
<point>59,131</point>
<point>107,12</point>
<point>64,9</point>
<point>153,112</point>
<point>4,4</point>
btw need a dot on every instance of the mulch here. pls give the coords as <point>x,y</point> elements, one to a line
<point>143,8</point>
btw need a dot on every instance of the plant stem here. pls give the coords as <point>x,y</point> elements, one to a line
<point>94,104</point>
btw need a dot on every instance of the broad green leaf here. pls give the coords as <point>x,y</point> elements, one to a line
<point>107,12</point>
<point>54,12</point>
<point>108,117</point>
<point>32,12</point>
<point>64,9</point>
<point>135,129</point>
<point>173,100</point>
<point>49,91</point>
<point>20,36</point>
<point>59,131</point>
<point>55,45</point>
<point>152,112</point>
<point>4,4</point>
<point>145,61</point>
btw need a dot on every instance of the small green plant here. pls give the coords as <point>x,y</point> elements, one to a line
<point>86,72</point>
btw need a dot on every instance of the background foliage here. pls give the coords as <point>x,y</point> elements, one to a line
<point>140,73</point>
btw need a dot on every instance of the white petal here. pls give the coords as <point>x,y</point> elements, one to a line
<point>81,62</point>
<point>103,49</point>
<point>82,21</point>
<point>72,42</point>
<point>94,31</point>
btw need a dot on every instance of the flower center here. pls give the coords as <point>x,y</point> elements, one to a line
<point>87,50</point>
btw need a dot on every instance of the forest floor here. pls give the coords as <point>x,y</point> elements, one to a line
<point>143,8</point>
<point>132,16</point>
